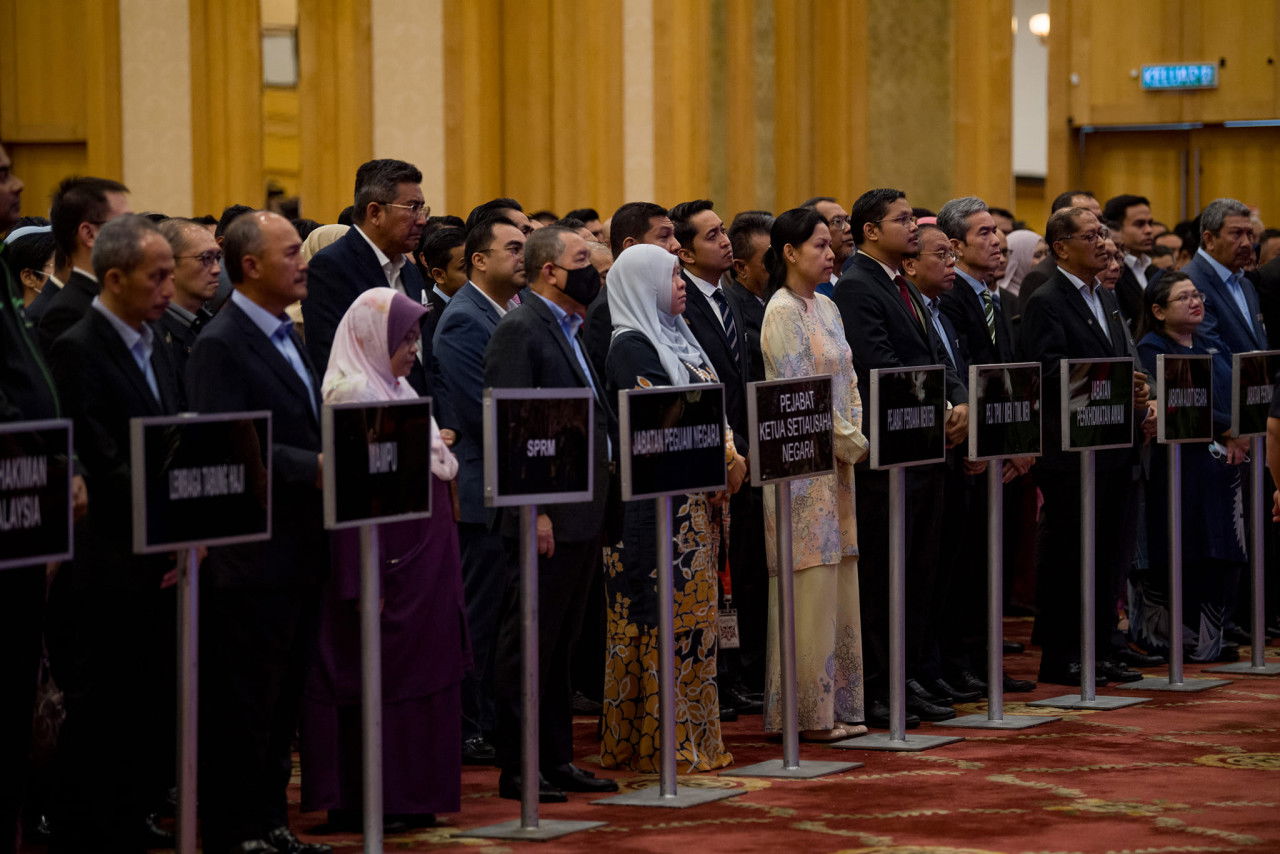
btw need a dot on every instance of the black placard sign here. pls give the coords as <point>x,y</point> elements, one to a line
<point>1004,410</point>
<point>200,480</point>
<point>1097,403</point>
<point>377,462</point>
<point>1252,377</point>
<point>791,428</point>
<point>539,446</point>
<point>35,492</point>
<point>673,440</point>
<point>908,416</point>
<point>1184,397</point>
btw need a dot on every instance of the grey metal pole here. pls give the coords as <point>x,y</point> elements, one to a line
<point>188,700</point>
<point>530,772</point>
<point>371,685</point>
<point>1088,593</point>
<point>787,629</point>
<point>666,652</point>
<point>897,606</point>
<point>995,590</point>
<point>1175,564</point>
<point>1258,648</point>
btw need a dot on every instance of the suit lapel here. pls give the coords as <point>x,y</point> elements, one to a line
<point>113,347</point>
<point>1083,312</point>
<point>877,273</point>
<point>271,357</point>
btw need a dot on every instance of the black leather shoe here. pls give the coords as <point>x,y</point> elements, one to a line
<point>728,714</point>
<point>1067,674</point>
<point>967,680</point>
<point>253,846</point>
<point>477,751</point>
<point>943,687</point>
<point>509,788</point>
<point>927,711</point>
<point>1117,672</point>
<point>1133,658</point>
<point>917,691</point>
<point>878,716</point>
<point>283,840</point>
<point>741,702</point>
<point>584,705</point>
<point>1013,648</point>
<point>1019,686</point>
<point>571,778</point>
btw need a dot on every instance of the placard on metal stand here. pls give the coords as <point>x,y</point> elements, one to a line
<point>1004,422</point>
<point>35,498</point>
<point>673,443</point>
<point>1184,392</point>
<point>539,448</point>
<point>1252,378</point>
<point>197,481</point>
<point>908,428</point>
<point>1096,397</point>
<point>791,437</point>
<point>377,468</point>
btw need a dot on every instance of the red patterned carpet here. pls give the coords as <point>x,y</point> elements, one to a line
<point>1181,773</point>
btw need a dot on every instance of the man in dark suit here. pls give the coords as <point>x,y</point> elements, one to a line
<point>388,218</point>
<point>537,345</point>
<point>197,270</point>
<point>495,261</point>
<point>970,305</point>
<point>1266,283</point>
<point>1134,234</point>
<point>81,206</point>
<point>747,283</point>
<point>111,619</point>
<point>260,600</point>
<point>1232,313</point>
<point>1043,271</point>
<point>886,325</point>
<point>1073,317</point>
<point>443,264</point>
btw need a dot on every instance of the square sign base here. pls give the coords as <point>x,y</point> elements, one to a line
<point>1246,668</point>
<point>1007,722</point>
<point>1162,683</point>
<point>1075,701</point>
<point>883,741</point>
<point>684,797</point>
<point>544,831</point>
<point>806,769</point>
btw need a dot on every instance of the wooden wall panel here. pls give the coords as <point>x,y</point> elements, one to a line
<point>839,95</point>
<point>336,103</point>
<point>528,120</point>
<point>1239,163</point>
<point>281,147</point>
<point>593,70</point>
<point>681,132</point>
<point>982,102</point>
<point>226,104</point>
<point>793,87</point>
<point>1111,41</point>
<point>1146,164</point>
<point>473,103</point>
<point>1247,37</point>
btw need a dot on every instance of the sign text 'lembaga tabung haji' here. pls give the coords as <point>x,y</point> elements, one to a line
<point>908,416</point>
<point>673,440</point>
<point>1097,403</point>
<point>1253,377</point>
<point>200,480</point>
<point>539,446</point>
<point>377,462</point>
<point>35,492</point>
<point>1184,398</point>
<point>791,424</point>
<point>1004,411</point>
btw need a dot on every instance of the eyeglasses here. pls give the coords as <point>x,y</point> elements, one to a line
<point>840,222</point>
<point>207,259</point>
<point>1087,237</point>
<point>904,220</point>
<point>416,209</point>
<point>1187,296</point>
<point>944,255</point>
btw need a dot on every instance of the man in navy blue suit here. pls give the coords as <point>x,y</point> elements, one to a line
<point>495,261</point>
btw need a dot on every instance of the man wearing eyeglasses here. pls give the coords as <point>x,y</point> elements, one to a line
<point>389,215</point>
<point>197,266</point>
<point>1071,316</point>
<point>841,236</point>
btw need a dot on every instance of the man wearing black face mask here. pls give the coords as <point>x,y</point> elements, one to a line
<point>537,345</point>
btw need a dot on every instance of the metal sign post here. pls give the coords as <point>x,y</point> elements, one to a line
<point>197,481</point>
<point>1252,375</point>
<point>1004,422</point>
<point>539,448</point>
<point>908,417</point>
<point>1097,413</point>
<point>1184,393</point>
<point>672,444</point>
<point>791,429</point>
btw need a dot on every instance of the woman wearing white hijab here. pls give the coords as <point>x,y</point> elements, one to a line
<point>424,647</point>
<point>652,346</point>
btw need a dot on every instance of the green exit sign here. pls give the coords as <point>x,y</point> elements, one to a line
<point>1185,75</point>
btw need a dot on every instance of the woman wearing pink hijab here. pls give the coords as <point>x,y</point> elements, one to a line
<point>424,647</point>
<point>1026,249</point>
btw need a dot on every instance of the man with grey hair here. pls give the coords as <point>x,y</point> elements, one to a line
<point>1232,313</point>
<point>973,309</point>
<point>197,268</point>
<point>537,345</point>
<point>110,632</point>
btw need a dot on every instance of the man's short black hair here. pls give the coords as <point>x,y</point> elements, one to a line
<point>871,207</point>
<point>345,215</point>
<point>682,216</point>
<point>493,207</point>
<point>436,249</point>
<point>304,226</point>
<point>748,224</point>
<point>1004,212</point>
<point>229,215</point>
<point>79,199</point>
<point>377,182</point>
<point>633,220</point>
<point>584,214</point>
<point>572,222</point>
<point>480,235</point>
<point>813,203</point>
<point>1117,206</point>
<point>206,219</point>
